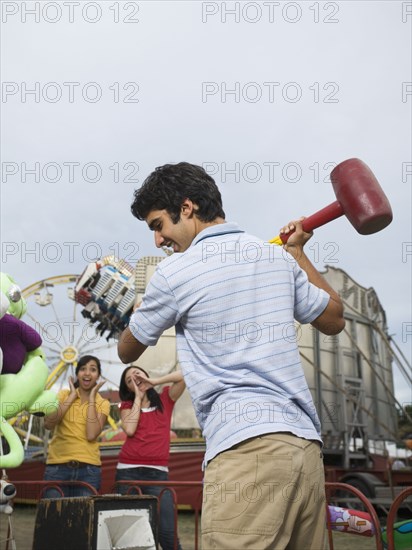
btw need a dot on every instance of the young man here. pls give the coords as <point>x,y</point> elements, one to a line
<point>233,299</point>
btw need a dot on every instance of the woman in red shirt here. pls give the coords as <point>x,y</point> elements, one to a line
<point>146,417</point>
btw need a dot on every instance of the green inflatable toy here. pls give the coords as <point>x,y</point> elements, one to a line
<point>402,535</point>
<point>23,391</point>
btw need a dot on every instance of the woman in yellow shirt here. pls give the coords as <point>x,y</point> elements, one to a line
<point>74,453</point>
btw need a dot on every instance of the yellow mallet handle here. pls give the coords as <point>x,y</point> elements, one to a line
<point>276,240</point>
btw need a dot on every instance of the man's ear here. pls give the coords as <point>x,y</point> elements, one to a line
<point>188,208</point>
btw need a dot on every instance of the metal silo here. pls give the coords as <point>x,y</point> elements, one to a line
<point>350,375</point>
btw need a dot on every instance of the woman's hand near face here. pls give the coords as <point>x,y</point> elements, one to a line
<point>73,392</point>
<point>137,389</point>
<point>142,382</point>
<point>95,390</point>
<point>175,377</point>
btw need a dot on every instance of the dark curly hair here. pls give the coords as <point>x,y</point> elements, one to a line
<point>168,186</point>
<point>126,395</point>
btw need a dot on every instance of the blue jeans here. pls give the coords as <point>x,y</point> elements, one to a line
<point>60,473</point>
<point>166,530</point>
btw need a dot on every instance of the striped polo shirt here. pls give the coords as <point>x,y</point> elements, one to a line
<point>234,299</point>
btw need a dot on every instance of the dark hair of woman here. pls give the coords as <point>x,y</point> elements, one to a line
<point>126,395</point>
<point>83,361</point>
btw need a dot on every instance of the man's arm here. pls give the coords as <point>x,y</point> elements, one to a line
<point>331,320</point>
<point>128,347</point>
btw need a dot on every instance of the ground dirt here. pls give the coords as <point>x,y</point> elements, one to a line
<point>23,522</point>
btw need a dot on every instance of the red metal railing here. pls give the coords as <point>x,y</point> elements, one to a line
<point>392,516</point>
<point>330,487</point>
<point>42,485</point>
<point>170,486</point>
<point>132,485</point>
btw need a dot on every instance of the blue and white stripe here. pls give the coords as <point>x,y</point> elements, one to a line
<point>234,299</point>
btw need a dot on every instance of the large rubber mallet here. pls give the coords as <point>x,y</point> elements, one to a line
<point>359,197</point>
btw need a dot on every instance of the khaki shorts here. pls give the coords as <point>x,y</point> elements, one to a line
<point>266,493</point>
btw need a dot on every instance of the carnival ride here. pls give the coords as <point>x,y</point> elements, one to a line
<point>350,376</point>
<point>66,335</point>
<point>82,314</point>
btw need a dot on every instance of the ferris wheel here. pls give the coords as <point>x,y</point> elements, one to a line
<point>66,334</point>
<point>79,315</point>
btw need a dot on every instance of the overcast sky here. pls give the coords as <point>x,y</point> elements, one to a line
<point>268,96</point>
